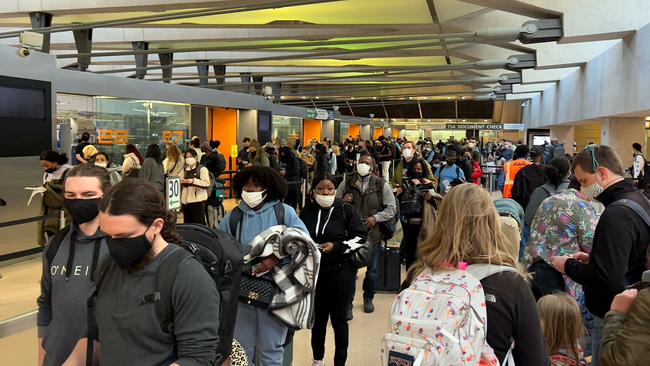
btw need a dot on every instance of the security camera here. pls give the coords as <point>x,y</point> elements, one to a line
<point>24,52</point>
<point>29,40</point>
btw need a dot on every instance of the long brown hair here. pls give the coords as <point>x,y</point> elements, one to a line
<point>132,149</point>
<point>467,229</point>
<point>140,199</point>
<point>561,323</point>
<point>174,153</point>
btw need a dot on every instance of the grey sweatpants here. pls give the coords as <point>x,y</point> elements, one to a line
<point>258,331</point>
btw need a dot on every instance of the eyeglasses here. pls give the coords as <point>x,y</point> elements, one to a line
<point>594,162</point>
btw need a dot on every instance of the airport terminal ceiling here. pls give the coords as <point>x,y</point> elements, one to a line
<point>369,54</point>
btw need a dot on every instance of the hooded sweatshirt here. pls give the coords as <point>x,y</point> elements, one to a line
<point>62,304</point>
<point>254,222</point>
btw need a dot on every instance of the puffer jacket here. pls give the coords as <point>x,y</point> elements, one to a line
<point>626,338</point>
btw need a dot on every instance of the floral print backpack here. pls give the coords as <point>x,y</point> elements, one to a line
<point>439,320</point>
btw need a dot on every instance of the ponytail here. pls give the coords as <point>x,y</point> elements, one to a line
<point>169,229</point>
<point>557,170</point>
<point>553,176</point>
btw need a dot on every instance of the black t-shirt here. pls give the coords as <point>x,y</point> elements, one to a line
<point>80,148</point>
<point>512,315</point>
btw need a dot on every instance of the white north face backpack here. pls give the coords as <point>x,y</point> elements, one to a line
<point>440,320</point>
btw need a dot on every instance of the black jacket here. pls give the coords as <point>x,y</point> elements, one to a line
<point>526,181</point>
<point>344,224</point>
<point>512,315</point>
<point>618,255</point>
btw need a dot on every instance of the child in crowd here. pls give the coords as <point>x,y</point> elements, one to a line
<point>562,325</point>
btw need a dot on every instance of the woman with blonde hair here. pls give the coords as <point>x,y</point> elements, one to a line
<point>468,231</point>
<point>174,162</point>
<point>259,156</point>
<point>562,325</point>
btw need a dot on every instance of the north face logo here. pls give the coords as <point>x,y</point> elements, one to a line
<point>490,298</point>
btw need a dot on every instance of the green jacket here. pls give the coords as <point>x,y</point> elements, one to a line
<point>399,172</point>
<point>626,338</point>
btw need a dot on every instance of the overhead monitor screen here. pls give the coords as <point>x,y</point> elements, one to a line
<point>25,117</point>
<point>540,140</point>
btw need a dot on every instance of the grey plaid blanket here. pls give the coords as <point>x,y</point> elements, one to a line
<point>295,275</point>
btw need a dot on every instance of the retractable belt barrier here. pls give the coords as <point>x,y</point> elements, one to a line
<point>22,221</point>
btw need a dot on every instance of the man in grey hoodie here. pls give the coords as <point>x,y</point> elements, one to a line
<point>69,264</point>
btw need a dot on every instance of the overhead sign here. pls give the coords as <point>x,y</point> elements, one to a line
<point>173,185</point>
<point>514,126</point>
<point>113,137</point>
<point>473,126</point>
<point>317,113</point>
<point>334,115</point>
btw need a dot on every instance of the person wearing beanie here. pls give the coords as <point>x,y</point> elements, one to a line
<point>511,168</point>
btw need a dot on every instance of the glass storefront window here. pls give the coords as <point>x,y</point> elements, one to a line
<point>115,122</point>
<point>286,128</point>
<point>345,130</point>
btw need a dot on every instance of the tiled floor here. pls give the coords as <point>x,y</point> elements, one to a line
<point>19,288</point>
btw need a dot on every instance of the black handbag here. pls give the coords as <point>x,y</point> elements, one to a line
<point>257,291</point>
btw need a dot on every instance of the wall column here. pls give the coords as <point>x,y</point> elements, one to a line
<point>564,135</point>
<point>620,133</point>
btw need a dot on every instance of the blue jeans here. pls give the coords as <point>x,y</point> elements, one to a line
<point>261,335</point>
<point>523,244</point>
<point>370,281</point>
<point>596,336</point>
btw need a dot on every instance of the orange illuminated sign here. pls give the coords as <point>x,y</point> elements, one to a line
<point>113,137</point>
<point>174,137</point>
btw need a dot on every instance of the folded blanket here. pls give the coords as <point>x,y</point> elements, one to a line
<point>295,276</point>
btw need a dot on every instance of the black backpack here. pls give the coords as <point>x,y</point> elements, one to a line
<point>220,255</point>
<point>411,203</point>
<point>389,227</point>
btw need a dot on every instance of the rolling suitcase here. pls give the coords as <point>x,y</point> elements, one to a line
<point>388,273</point>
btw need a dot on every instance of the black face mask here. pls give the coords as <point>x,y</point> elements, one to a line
<point>416,175</point>
<point>50,170</point>
<point>127,252</point>
<point>82,211</point>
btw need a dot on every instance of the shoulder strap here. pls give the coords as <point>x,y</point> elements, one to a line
<point>550,193</point>
<point>379,187</point>
<point>279,212</point>
<point>235,216</point>
<point>55,243</point>
<point>162,288</point>
<point>484,270</point>
<point>634,206</point>
<point>93,334</point>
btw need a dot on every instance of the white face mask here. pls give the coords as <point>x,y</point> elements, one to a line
<point>325,201</point>
<point>591,192</point>
<point>191,162</point>
<point>407,154</point>
<point>363,169</point>
<point>102,164</point>
<point>253,199</point>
